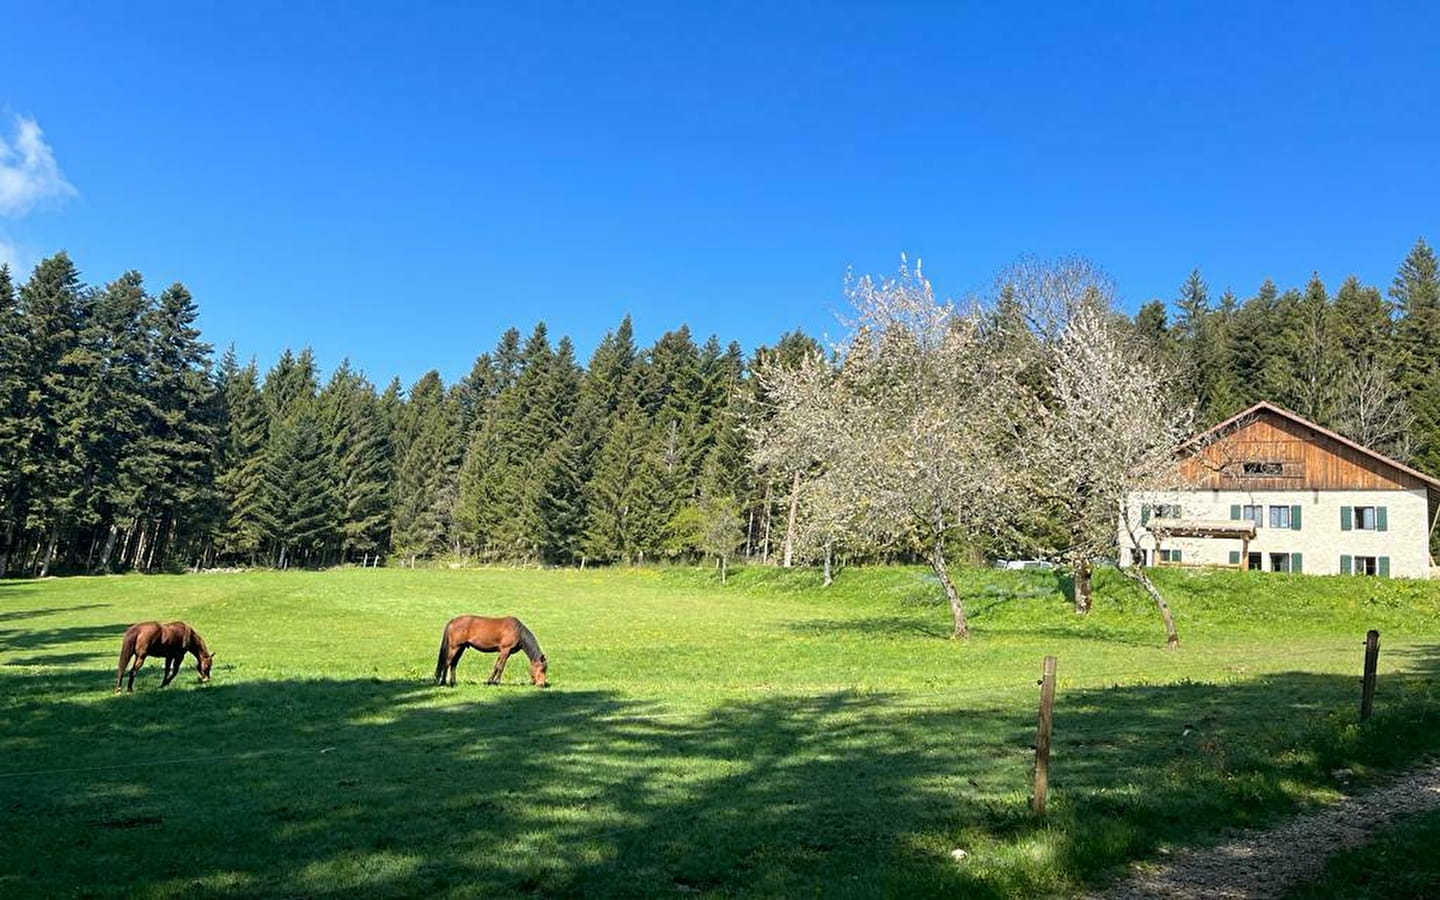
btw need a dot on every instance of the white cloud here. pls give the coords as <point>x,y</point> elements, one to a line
<point>10,255</point>
<point>29,174</point>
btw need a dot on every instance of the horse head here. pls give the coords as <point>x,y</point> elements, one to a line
<point>537,672</point>
<point>206,659</point>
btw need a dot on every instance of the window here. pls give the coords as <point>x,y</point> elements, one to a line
<point>1170,556</point>
<point>1167,510</point>
<point>1367,565</point>
<point>1271,469</point>
<point>1279,517</point>
<point>1279,562</point>
<point>1254,514</point>
<point>1254,562</point>
<point>1364,518</point>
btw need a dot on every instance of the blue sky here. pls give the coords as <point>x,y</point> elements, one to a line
<point>399,183</point>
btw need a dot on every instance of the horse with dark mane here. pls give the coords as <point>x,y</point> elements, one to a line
<point>488,635</point>
<point>170,641</point>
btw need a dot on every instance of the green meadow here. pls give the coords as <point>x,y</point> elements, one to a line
<point>768,737</point>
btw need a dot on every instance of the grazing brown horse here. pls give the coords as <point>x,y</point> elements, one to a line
<point>171,641</point>
<point>488,636</point>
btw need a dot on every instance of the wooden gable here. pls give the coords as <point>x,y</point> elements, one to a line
<point>1268,449</point>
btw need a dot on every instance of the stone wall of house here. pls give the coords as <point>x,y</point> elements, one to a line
<point>1324,546</point>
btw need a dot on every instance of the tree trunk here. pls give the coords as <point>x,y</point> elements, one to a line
<point>765,538</point>
<point>137,558</point>
<point>957,606</point>
<point>49,552</point>
<point>722,569</point>
<point>829,555</point>
<point>1084,590</point>
<point>108,549</point>
<point>790,520</point>
<point>5,546</point>
<point>90,557</point>
<point>749,536</point>
<point>1137,574</point>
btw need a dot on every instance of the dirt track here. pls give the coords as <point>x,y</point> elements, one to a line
<point>1265,863</point>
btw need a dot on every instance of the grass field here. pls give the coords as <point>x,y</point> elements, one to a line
<point>766,738</point>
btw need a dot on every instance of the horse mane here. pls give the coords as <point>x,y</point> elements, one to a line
<point>528,642</point>
<point>197,643</point>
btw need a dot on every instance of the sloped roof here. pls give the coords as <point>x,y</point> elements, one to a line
<point>1264,406</point>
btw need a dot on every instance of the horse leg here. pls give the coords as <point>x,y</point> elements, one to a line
<point>139,661</point>
<point>500,665</point>
<point>172,668</point>
<point>455,661</point>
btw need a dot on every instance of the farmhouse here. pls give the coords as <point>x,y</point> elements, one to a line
<point>1270,490</point>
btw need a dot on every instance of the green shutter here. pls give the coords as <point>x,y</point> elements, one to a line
<point>1175,556</point>
<point>1295,518</point>
<point>1384,567</point>
<point>1347,518</point>
<point>1295,563</point>
<point>1235,511</point>
<point>1381,520</point>
<point>1234,557</point>
<point>1345,565</point>
<point>1145,515</point>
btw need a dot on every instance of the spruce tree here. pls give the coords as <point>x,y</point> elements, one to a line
<point>52,420</point>
<point>360,453</point>
<point>1416,292</point>
<point>14,350</point>
<point>182,437</point>
<point>426,443</point>
<point>301,506</point>
<point>616,519</point>
<point>242,478</point>
<point>119,456</point>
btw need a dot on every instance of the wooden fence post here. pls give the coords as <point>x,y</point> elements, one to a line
<point>1042,736</point>
<point>1372,658</point>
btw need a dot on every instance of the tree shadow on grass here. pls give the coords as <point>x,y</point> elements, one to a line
<point>15,639</point>
<point>395,788</point>
<point>31,614</point>
<point>888,626</point>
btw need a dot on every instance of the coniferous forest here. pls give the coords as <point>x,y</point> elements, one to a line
<point>126,444</point>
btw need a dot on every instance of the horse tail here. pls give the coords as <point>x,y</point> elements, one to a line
<point>440,661</point>
<point>127,650</point>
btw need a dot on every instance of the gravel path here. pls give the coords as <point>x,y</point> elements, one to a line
<point>1262,864</point>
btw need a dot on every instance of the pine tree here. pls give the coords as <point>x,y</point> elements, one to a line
<point>425,443</point>
<point>1153,332</point>
<point>360,454</point>
<point>1224,396</point>
<point>289,392</point>
<point>1416,292</point>
<point>1192,314</point>
<point>242,477</point>
<point>1312,354</point>
<point>300,504</point>
<point>14,350</point>
<point>606,382</point>
<point>52,423</point>
<point>616,520</point>
<point>182,437</point>
<point>122,412</point>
